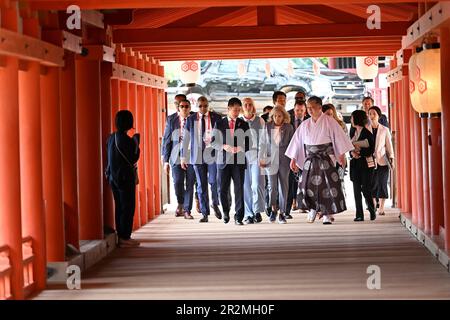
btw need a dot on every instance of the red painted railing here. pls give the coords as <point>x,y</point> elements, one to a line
<point>28,258</point>
<point>5,274</point>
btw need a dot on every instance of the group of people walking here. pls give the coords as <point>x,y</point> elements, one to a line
<point>277,161</point>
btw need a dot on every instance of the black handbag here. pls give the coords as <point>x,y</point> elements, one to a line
<point>135,168</point>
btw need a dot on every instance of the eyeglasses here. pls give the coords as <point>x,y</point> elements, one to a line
<point>203,106</point>
<point>185,106</point>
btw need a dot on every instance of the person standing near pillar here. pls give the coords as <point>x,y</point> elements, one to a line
<point>198,136</point>
<point>123,153</point>
<point>232,142</point>
<point>183,179</point>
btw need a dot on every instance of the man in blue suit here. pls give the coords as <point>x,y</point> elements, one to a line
<point>199,127</point>
<point>232,141</point>
<point>172,150</point>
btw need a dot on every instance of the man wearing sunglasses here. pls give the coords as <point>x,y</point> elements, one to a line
<point>183,179</point>
<point>202,156</point>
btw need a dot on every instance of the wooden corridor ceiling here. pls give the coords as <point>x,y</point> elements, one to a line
<point>200,29</point>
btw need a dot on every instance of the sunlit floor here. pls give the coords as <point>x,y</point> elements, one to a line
<point>184,259</point>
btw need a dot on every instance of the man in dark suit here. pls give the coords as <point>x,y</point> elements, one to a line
<point>298,115</point>
<point>231,141</point>
<point>172,148</point>
<point>278,99</point>
<point>202,156</point>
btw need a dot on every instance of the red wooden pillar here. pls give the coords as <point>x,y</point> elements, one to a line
<point>140,128</point>
<point>31,190</point>
<point>420,202</point>
<point>156,143</point>
<point>115,101</point>
<point>107,129</point>
<point>69,150</point>
<point>151,159</point>
<point>435,174</point>
<point>52,164</point>
<point>10,210</point>
<point>445,84</point>
<point>425,173</point>
<point>89,149</point>
<point>399,143</point>
<point>132,63</point>
<point>414,195</point>
<point>406,110</point>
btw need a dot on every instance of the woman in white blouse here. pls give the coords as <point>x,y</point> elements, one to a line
<point>384,155</point>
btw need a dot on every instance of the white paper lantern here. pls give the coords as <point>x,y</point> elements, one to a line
<point>189,72</point>
<point>367,67</point>
<point>414,77</point>
<point>290,69</point>
<point>267,69</point>
<point>241,69</point>
<point>429,86</point>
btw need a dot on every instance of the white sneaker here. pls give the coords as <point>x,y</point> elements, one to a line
<point>311,216</point>
<point>327,219</point>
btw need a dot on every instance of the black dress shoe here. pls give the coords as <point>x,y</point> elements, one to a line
<point>217,212</point>
<point>287,216</point>
<point>258,218</point>
<point>358,219</point>
<point>373,216</point>
<point>204,219</point>
<point>226,218</point>
<point>238,223</point>
<point>249,220</point>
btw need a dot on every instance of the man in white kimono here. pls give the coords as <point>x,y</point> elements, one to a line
<point>316,146</point>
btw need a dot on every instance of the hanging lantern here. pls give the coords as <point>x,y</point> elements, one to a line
<point>429,79</point>
<point>316,68</point>
<point>414,77</point>
<point>189,73</point>
<point>290,69</point>
<point>267,69</point>
<point>241,69</point>
<point>367,68</point>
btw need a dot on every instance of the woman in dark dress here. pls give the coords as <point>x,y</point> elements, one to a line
<point>362,164</point>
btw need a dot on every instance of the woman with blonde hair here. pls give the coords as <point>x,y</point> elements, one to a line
<point>254,182</point>
<point>330,109</point>
<point>278,135</point>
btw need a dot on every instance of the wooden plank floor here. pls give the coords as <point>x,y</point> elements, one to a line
<point>182,259</point>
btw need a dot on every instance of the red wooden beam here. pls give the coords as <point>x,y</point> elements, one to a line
<point>263,32</point>
<point>331,14</point>
<point>266,16</point>
<point>290,15</point>
<point>243,16</point>
<point>258,43</point>
<point>204,16</point>
<point>155,18</point>
<point>120,4</point>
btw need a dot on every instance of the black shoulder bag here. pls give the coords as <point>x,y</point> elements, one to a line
<point>136,176</point>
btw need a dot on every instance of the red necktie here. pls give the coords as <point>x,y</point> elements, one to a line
<point>232,127</point>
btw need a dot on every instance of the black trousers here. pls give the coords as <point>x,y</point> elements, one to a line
<point>362,183</point>
<point>237,174</point>
<point>293,188</point>
<point>125,204</point>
